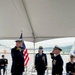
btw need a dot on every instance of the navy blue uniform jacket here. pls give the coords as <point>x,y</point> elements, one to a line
<point>57,65</point>
<point>40,61</point>
<point>70,67</point>
<point>4,61</point>
<point>17,60</point>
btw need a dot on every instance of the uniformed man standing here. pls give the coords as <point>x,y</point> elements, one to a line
<point>40,62</point>
<point>57,62</point>
<point>70,66</point>
<point>17,59</point>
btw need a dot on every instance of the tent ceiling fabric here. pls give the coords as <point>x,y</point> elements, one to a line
<point>39,19</point>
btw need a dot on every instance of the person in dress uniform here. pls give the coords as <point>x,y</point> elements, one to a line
<point>3,64</point>
<point>17,67</point>
<point>70,66</point>
<point>57,61</point>
<point>40,62</point>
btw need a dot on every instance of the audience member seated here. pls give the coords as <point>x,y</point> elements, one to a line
<point>3,64</point>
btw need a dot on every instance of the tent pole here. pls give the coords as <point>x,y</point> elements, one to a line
<point>34,50</point>
<point>34,47</point>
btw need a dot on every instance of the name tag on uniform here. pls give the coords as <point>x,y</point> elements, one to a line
<point>54,62</point>
<point>43,58</point>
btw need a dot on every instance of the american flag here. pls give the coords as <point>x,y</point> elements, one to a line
<point>25,52</point>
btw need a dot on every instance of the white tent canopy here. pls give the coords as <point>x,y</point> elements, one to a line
<point>37,19</point>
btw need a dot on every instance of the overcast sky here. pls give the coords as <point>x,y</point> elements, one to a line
<point>48,43</point>
<point>60,42</point>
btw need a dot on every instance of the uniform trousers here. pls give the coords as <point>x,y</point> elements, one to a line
<point>41,72</point>
<point>4,68</point>
<point>16,74</point>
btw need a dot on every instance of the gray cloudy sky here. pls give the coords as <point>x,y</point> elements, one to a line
<point>47,43</point>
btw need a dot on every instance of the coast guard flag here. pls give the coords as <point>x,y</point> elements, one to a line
<point>72,52</point>
<point>25,52</point>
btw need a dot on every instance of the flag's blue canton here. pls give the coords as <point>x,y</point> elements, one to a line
<point>23,45</point>
<point>21,36</point>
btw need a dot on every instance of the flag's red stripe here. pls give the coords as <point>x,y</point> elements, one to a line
<point>26,57</point>
<point>25,51</point>
<point>26,61</point>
